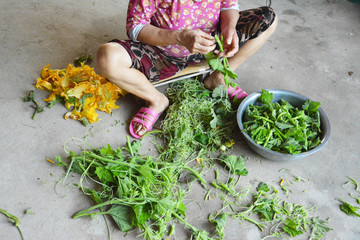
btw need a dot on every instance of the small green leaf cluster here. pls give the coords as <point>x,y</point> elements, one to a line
<point>285,218</point>
<point>281,127</point>
<point>31,98</point>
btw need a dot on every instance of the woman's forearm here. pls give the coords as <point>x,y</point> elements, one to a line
<point>196,41</point>
<point>159,37</point>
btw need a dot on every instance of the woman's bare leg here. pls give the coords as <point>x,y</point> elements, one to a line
<point>246,51</point>
<point>114,62</point>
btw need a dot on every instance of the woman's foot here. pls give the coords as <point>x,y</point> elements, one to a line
<point>148,118</point>
<point>236,95</point>
<point>215,79</point>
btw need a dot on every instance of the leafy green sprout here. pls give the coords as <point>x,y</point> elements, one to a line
<point>221,64</point>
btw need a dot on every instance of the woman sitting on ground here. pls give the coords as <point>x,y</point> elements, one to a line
<point>168,35</point>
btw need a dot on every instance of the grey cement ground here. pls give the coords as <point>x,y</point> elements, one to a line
<point>316,45</point>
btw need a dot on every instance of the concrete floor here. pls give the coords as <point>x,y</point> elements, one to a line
<point>316,45</point>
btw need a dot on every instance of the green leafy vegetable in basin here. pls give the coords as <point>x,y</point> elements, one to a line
<point>282,127</point>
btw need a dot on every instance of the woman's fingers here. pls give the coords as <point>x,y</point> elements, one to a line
<point>197,41</point>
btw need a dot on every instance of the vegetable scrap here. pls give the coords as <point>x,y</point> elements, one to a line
<point>13,219</point>
<point>348,208</point>
<point>282,127</point>
<point>82,91</point>
<point>31,98</point>
<point>268,211</point>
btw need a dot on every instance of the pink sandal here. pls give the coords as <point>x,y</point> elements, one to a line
<point>236,94</point>
<point>145,117</point>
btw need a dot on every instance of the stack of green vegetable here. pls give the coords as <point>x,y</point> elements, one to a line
<point>282,127</point>
<point>142,191</point>
<point>147,192</point>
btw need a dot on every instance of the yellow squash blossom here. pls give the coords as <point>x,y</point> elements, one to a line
<point>82,90</point>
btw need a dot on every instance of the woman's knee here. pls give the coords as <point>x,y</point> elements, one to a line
<point>269,14</point>
<point>111,56</point>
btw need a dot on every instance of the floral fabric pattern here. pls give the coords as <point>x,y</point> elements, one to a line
<point>177,15</point>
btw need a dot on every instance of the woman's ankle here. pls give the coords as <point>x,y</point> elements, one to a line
<point>215,79</point>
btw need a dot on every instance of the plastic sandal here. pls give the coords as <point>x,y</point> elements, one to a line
<point>145,117</point>
<point>236,94</point>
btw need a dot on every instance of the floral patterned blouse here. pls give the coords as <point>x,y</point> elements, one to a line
<point>176,15</point>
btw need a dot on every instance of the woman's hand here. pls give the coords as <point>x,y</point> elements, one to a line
<point>228,21</point>
<point>196,41</point>
<point>230,42</point>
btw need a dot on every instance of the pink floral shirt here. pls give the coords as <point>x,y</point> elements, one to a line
<point>176,15</point>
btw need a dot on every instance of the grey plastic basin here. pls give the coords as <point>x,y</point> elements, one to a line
<point>294,99</point>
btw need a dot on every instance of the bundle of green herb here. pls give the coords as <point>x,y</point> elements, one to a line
<point>282,127</point>
<point>197,121</point>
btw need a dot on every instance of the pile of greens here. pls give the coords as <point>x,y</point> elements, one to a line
<point>135,190</point>
<point>148,192</point>
<point>197,121</point>
<point>282,127</point>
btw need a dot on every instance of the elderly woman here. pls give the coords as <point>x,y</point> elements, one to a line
<point>167,35</point>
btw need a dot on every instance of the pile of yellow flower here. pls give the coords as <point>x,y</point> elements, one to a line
<point>82,90</point>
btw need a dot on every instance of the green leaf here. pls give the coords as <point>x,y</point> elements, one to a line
<point>263,187</point>
<point>220,221</point>
<point>266,97</point>
<point>292,227</point>
<point>164,205</point>
<point>104,174</point>
<point>349,209</point>
<point>231,73</point>
<point>136,145</point>
<point>123,216</point>
<point>201,235</point>
<point>106,151</point>
<point>318,228</point>
<point>236,165</point>
<point>146,173</point>
<point>58,99</point>
<point>214,122</point>
<point>60,162</point>
<point>217,65</point>
<point>201,138</point>
<point>219,92</point>
<point>143,213</point>
<point>311,106</point>
<point>30,96</point>
<point>82,60</point>
<point>283,126</point>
